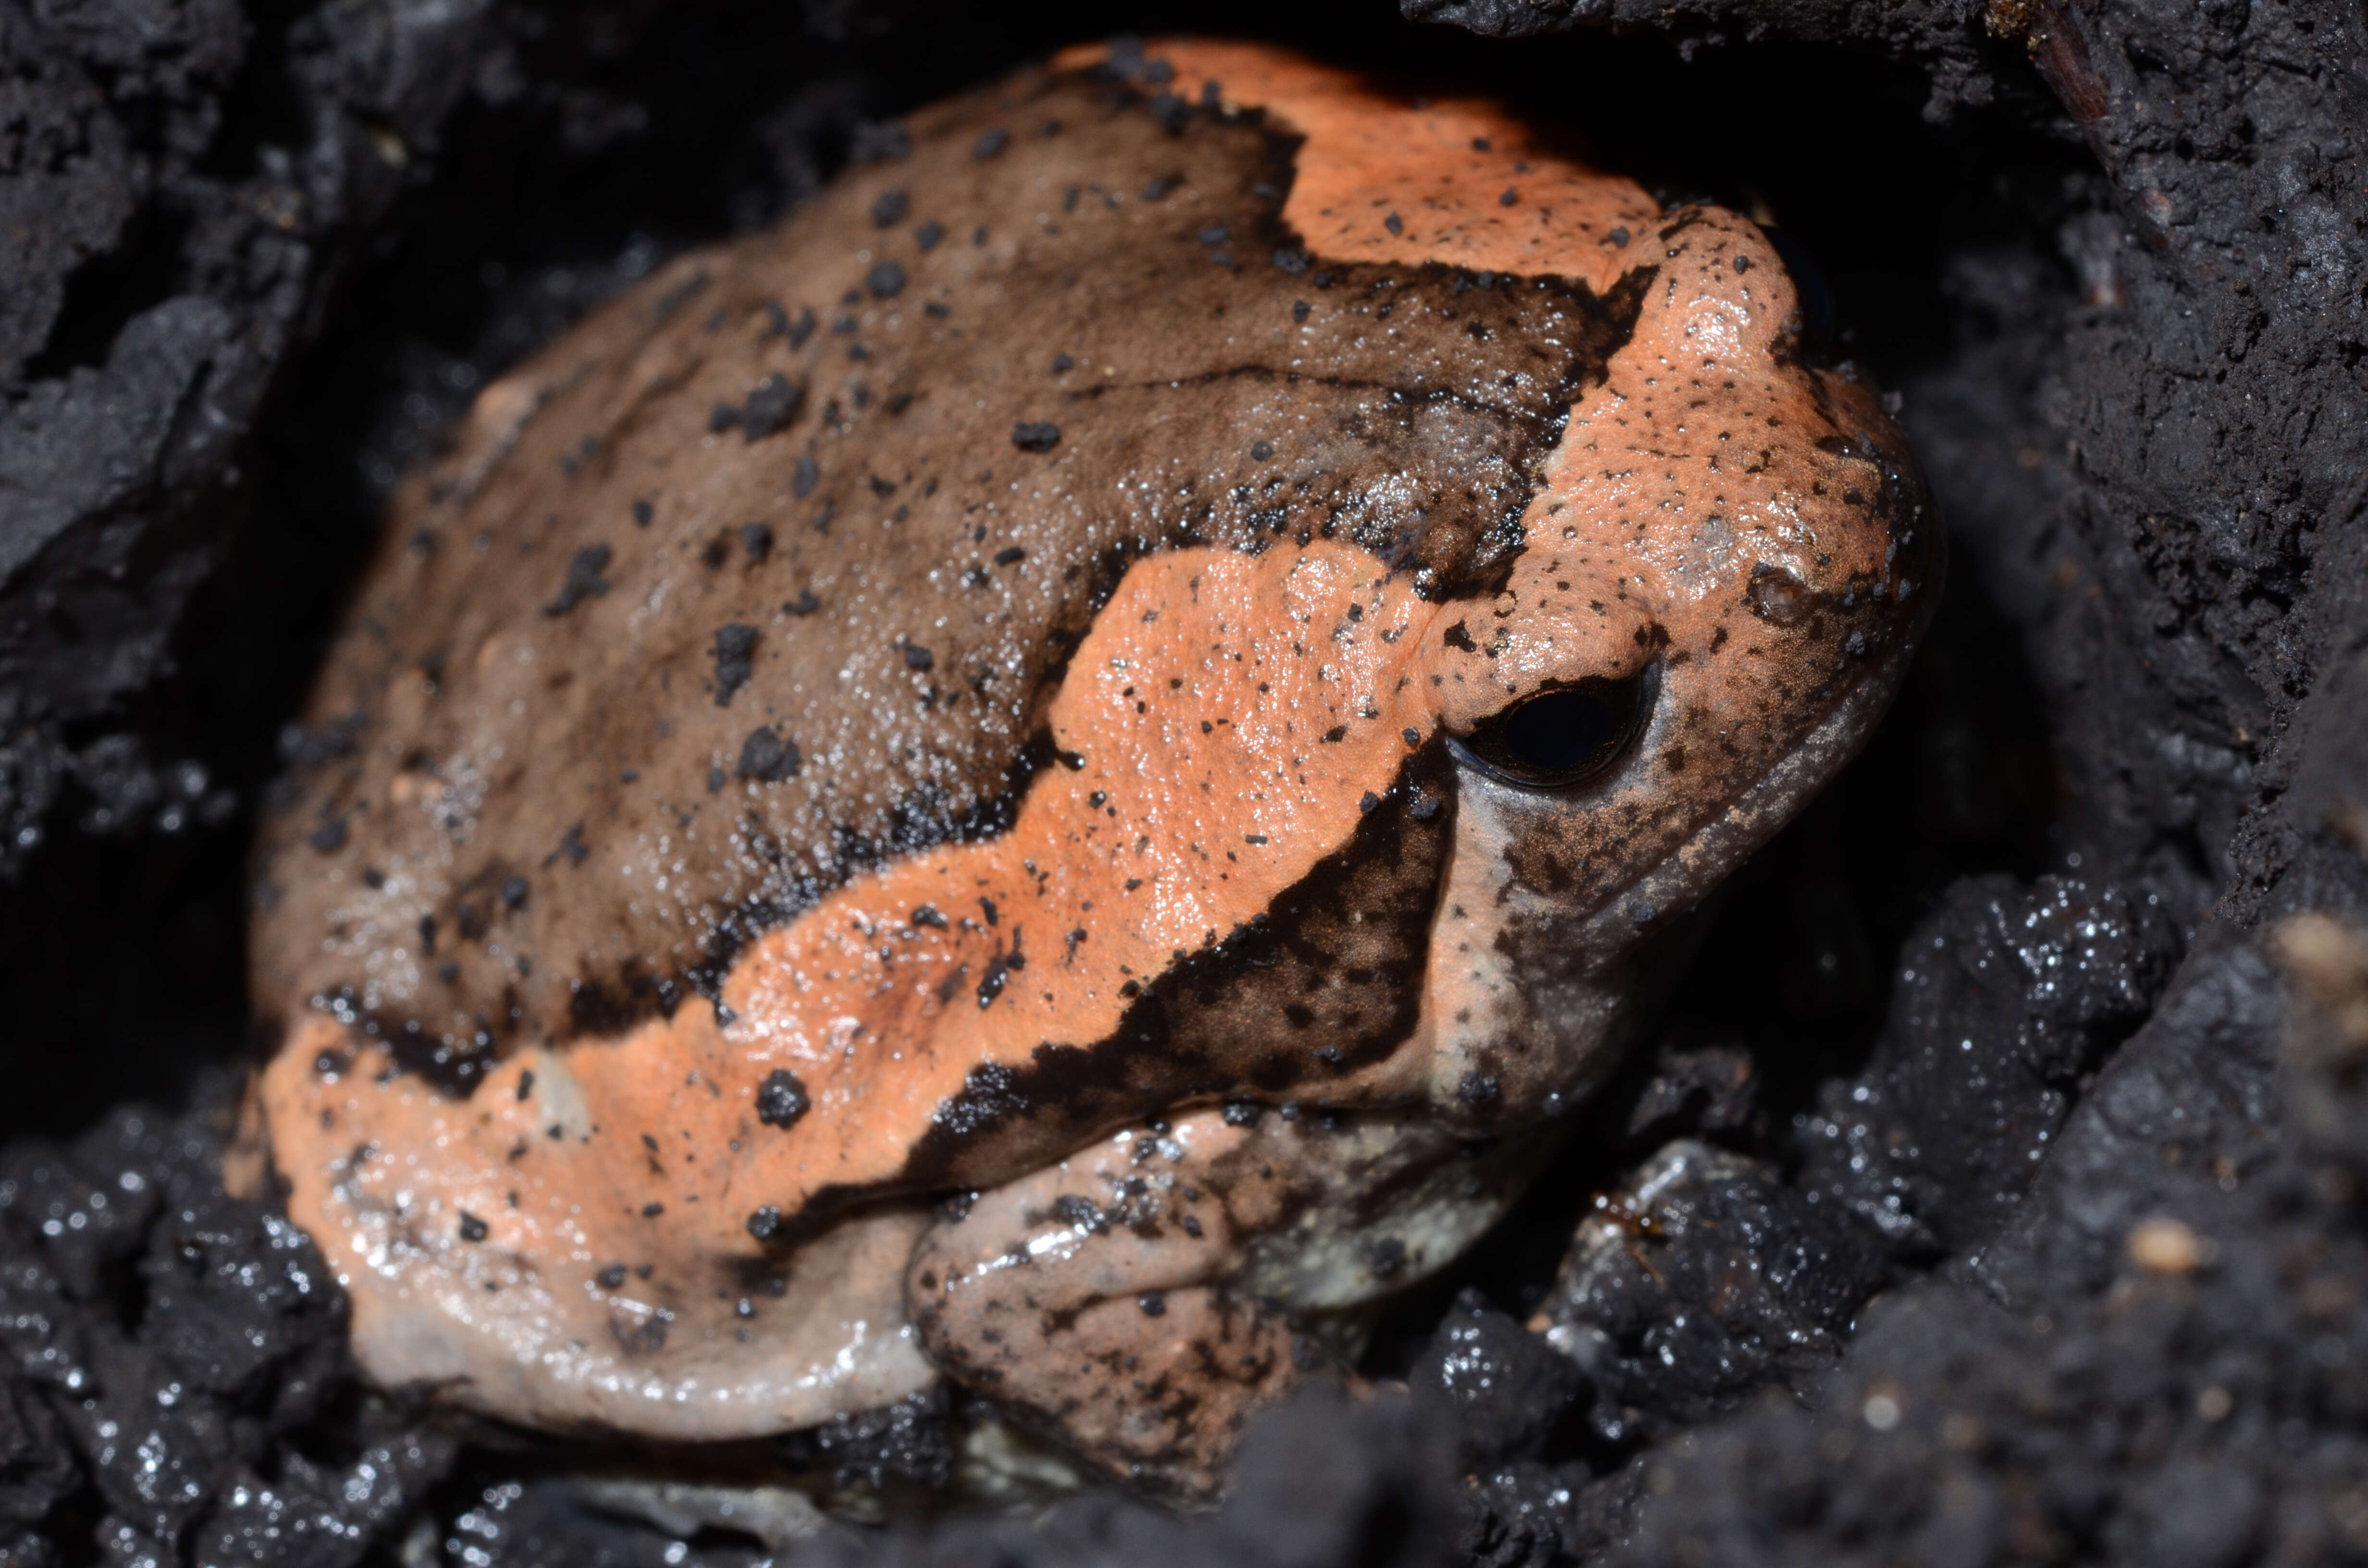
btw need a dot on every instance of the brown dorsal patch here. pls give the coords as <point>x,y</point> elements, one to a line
<point>1093,356</point>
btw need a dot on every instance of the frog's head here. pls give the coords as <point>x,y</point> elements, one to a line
<point>1725,558</point>
<point>1727,565</point>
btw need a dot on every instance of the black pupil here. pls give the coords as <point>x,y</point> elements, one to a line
<point>1560,736</point>
<point>1557,731</point>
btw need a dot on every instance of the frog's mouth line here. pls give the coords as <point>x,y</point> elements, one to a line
<point>1715,849</point>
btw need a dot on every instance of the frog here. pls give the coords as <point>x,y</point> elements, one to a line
<point>1061,772</point>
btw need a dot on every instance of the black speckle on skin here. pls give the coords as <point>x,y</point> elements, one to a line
<point>890,210</point>
<point>1385,1256</point>
<point>990,144</point>
<point>990,1092</point>
<point>1035,436</point>
<point>917,657</point>
<point>1000,968</point>
<point>769,409</point>
<point>756,538</point>
<point>765,1223</point>
<point>886,280</point>
<point>472,1229</point>
<point>611,1277</point>
<point>584,579</point>
<point>1153,1304</point>
<point>1394,223</point>
<point>734,646</point>
<point>1478,1088</point>
<point>514,892</point>
<point>572,846</point>
<point>772,406</point>
<point>329,837</point>
<point>929,235</point>
<point>643,513</point>
<point>768,757</point>
<point>804,477</point>
<point>781,1099</point>
<point>1009,555</point>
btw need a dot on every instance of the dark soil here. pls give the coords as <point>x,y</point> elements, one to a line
<point>2024,1214</point>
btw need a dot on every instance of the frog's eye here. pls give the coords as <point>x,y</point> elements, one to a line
<point>1562,735</point>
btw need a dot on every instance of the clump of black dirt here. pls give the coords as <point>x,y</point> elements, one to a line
<point>178,1386</point>
<point>1993,1189</point>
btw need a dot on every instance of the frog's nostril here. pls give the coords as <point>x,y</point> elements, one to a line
<point>1562,735</point>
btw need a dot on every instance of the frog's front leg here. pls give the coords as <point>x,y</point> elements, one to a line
<point>1093,1297</point>
<point>1146,1297</point>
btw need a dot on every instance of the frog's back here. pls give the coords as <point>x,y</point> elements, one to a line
<point>764,575</point>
